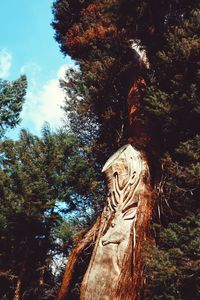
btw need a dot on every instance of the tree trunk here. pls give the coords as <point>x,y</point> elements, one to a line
<point>73,259</point>
<point>18,288</point>
<point>17,295</point>
<point>131,277</point>
<point>115,269</point>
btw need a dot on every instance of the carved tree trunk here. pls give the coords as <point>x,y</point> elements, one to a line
<point>115,268</point>
<point>115,271</point>
<point>73,259</point>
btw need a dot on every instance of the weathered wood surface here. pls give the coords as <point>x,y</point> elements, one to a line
<point>73,259</point>
<point>128,181</point>
<point>115,271</point>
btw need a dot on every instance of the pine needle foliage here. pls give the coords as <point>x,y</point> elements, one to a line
<point>12,96</point>
<point>97,35</point>
<point>43,204</point>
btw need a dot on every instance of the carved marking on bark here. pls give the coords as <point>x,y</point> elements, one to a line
<point>125,171</point>
<point>73,258</point>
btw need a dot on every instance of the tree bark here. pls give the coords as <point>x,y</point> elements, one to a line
<point>73,259</point>
<point>115,268</point>
<point>131,278</point>
<point>115,271</point>
<point>18,289</point>
<point>17,295</point>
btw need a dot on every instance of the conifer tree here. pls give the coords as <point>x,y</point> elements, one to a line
<point>98,35</point>
<point>41,196</point>
<point>12,96</point>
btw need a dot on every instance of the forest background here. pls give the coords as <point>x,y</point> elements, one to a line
<point>51,186</point>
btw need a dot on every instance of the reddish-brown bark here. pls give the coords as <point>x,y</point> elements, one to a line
<point>143,235</point>
<point>73,259</point>
<point>131,277</point>
<point>19,284</point>
<point>138,135</point>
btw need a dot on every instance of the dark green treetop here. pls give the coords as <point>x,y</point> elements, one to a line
<point>12,97</point>
<point>46,185</point>
<point>96,34</point>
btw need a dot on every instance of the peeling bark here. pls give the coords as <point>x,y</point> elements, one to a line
<point>73,259</point>
<point>18,288</point>
<point>115,269</point>
<point>138,133</point>
<point>131,278</point>
<point>17,295</point>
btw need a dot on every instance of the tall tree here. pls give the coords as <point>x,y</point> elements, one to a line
<point>155,109</point>
<point>38,185</point>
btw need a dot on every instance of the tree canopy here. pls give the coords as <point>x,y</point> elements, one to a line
<point>12,96</point>
<point>43,205</point>
<point>51,186</point>
<point>98,35</point>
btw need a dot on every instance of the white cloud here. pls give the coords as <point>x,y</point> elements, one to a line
<point>5,63</point>
<point>62,70</point>
<point>44,105</point>
<point>31,68</point>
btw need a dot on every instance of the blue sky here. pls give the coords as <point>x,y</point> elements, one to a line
<point>27,46</point>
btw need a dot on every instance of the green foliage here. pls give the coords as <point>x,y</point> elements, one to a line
<point>108,66</point>
<point>11,101</point>
<point>172,98</point>
<point>171,106</point>
<point>172,270</point>
<point>101,86</point>
<point>169,31</point>
<point>43,203</point>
